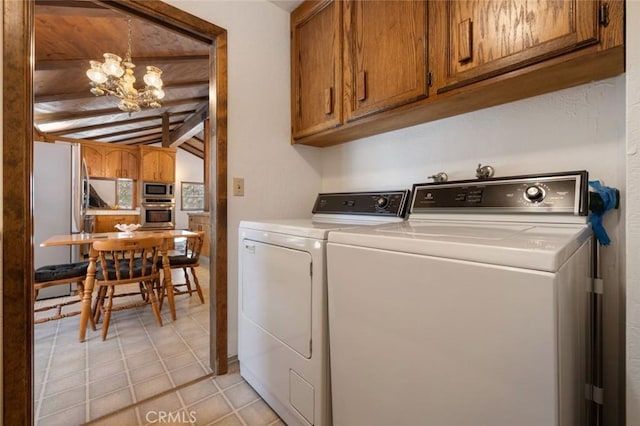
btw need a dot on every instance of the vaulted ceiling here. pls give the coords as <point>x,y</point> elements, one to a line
<point>68,34</point>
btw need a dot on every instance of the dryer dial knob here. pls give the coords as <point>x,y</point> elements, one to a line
<point>382,202</point>
<point>534,193</point>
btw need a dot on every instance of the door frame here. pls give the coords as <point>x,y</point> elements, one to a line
<point>17,217</point>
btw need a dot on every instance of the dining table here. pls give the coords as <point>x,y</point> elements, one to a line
<point>89,238</point>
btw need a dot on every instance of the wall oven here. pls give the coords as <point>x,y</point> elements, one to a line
<point>157,190</point>
<point>157,213</point>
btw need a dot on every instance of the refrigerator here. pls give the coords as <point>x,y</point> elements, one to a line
<point>60,200</point>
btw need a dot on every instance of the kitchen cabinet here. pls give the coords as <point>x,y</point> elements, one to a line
<point>316,67</point>
<point>92,155</point>
<point>107,222</point>
<point>411,62</point>
<point>106,160</point>
<point>200,222</point>
<point>158,164</point>
<point>121,162</point>
<point>484,38</point>
<point>385,55</point>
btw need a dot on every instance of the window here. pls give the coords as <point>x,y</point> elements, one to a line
<point>124,193</point>
<point>192,195</point>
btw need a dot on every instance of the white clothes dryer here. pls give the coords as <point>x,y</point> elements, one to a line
<point>282,325</point>
<point>472,312</point>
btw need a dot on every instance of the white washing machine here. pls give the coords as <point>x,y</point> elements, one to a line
<point>472,312</point>
<point>282,324</point>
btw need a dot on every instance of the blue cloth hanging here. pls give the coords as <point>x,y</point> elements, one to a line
<point>609,198</point>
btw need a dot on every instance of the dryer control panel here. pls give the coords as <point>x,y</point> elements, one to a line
<point>564,193</point>
<point>387,203</point>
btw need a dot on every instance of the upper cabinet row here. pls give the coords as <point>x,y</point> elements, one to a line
<point>362,67</point>
<point>117,161</point>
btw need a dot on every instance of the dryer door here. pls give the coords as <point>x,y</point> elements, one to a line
<point>276,292</point>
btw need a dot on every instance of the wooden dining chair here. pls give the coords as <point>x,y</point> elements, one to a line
<point>54,275</point>
<point>188,259</point>
<point>122,262</point>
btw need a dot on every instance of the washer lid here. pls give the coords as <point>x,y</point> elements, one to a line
<point>544,247</point>
<point>306,228</point>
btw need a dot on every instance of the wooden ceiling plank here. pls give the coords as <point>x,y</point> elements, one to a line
<point>119,123</point>
<point>126,132</point>
<point>57,97</point>
<point>62,64</point>
<point>65,116</point>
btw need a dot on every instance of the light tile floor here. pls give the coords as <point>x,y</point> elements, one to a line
<point>142,374</point>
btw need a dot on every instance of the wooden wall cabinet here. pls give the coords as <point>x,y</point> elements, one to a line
<point>121,162</point>
<point>385,55</point>
<point>485,38</point>
<point>355,58</point>
<point>410,62</point>
<point>158,164</point>
<point>316,67</point>
<point>200,222</point>
<point>107,223</point>
<point>92,155</point>
<point>105,160</point>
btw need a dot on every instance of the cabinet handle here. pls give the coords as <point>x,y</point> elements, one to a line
<point>361,88</point>
<point>328,101</point>
<point>465,41</point>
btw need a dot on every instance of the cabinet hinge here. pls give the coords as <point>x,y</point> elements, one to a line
<point>430,79</point>
<point>594,393</point>
<point>603,14</point>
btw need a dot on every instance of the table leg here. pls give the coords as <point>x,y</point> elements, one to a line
<point>167,278</point>
<point>85,310</point>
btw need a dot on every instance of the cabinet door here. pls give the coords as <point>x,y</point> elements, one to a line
<point>485,38</point>
<point>150,166</point>
<point>166,166</point>
<point>93,157</point>
<point>113,163</point>
<point>129,165</point>
<point>385,55</point>
<point>316,67</point>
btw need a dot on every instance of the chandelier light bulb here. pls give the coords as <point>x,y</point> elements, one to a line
<point>153,77</point>
<point>95,73</point>
<point>112,65</point>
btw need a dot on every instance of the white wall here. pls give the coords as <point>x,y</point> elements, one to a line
<point>280,180</point>
<point>574,129</point>
<point>633,214</point>
<point>189,168</point>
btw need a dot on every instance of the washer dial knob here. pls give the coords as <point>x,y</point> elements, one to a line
<point>382,202</point>
<point>534,193</point>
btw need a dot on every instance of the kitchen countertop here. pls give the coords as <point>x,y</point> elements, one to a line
<point>105,212</point>
<point>198,213</point>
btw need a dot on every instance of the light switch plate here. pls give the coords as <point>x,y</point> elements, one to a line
<point>238,187</point>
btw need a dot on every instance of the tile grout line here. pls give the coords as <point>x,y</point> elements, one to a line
<point>46,374</point>
<point>127,373</point>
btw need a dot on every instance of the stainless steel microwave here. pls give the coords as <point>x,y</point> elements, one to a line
<point>157,190</point>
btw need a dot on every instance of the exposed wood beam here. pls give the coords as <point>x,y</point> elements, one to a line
<point>191,126</point>
<point>85,94</point>
<point>120,123</point>
<point>65,64</point>
<point>66,116</point>
<point>165,130</point>
<point>192,150</point>
<point>126,132</point>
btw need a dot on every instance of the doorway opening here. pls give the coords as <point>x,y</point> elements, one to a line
<point>17,220</point>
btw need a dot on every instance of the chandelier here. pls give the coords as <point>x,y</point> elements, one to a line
<point>115,77</point>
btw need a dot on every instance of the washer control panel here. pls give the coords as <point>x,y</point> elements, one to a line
<point>550,193</point>
<point>388,203</point>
